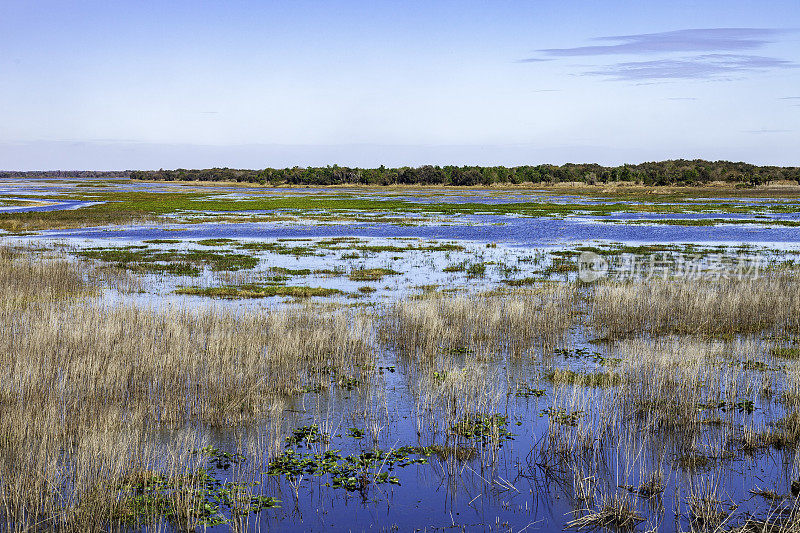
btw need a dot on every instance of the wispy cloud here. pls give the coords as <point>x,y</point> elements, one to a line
<point>697,67</point>
<point>690,40</point>
<point>767,131</point>
<point>710,53</point>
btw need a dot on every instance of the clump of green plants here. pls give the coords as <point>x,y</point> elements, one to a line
<point>482,426</point>
<point>476,270</point>
<point>212,501</point>
<point>563,417</point>
<point>306,435</point>
<point>144,258</point>
<point>257,291</point>
<point>216,242</point>
<point>354,473</point>
<point>526,391</point>
<point>785,352</point>
<point>371,274</point>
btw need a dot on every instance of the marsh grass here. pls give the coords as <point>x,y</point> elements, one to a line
<point>103,407</point>
<point>710,307</point>
<point>84,387</point>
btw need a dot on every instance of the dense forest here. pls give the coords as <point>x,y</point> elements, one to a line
<point>673,172</point>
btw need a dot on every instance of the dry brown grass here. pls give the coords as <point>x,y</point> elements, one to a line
<point>84,386</point>
<point>87,390</point>
<point>722,307</point>
<point>512,322</point>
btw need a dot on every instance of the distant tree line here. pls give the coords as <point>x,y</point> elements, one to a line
<point>65,174</point>
<point>673,172</point>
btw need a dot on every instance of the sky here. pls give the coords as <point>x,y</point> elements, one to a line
<point>249,84</point>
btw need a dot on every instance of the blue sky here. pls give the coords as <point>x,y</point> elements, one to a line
<point>115,85</point>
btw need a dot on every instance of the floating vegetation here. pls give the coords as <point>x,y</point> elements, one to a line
<point>741,406</point>
<point>306,435</point>
<point>563,417</point>
<point>526,391</point>
<point>355,433</point>
<point>483,426</point>
<point>356,472</point>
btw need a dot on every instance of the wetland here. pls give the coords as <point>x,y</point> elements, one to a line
<point>179,356</point>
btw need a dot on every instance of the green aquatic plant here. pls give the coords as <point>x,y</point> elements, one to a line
<point>482,426</point>
<point>526,391</point>
<point>306,435</point>
<point>562,417</point>
<point>354,472</point>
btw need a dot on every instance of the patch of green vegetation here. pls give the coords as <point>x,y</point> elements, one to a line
<point>354,473</point>
<point>306,435</point>
<point>582,353</point>
<point>257,291</point>
<point>476,270</point>
<point>522,282</point>
<point>291,271</point>
<point>382,248</point>
<point>562,417</point>
<point>125,256</point>
<point>334,272</point>
<point>741,406</point>
<point>173,269</point>
<point>278,248</point>
<point>482,426</point>
<point>347,382</point>
<point>162,241</point>
<point>211,501</point>
<point>355,433</point>
<point>457,267</point>
<point>561,265</point>
<point>785,352</point>
<point>216,242</point>
<point>371,274</point>
<point>526,391</point>
<point>472,269</point>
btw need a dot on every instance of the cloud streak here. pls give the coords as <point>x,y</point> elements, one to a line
<point>690,40</point>
<point>708,66</point>
<point>706,53</point>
